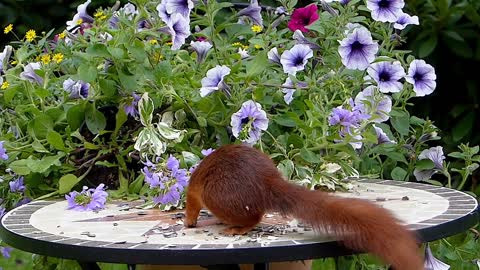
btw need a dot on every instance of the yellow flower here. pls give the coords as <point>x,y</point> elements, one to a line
<point>257,46</point>
<point>80,21</point>
<point>14,62</point>
<point>46,58</point>
<point>257,28</point>
<point>62,35</point>
<point>5,85</point>
<point>30,35</point>
<point>153,41</point>
<point>169,43</point>
<point>8,29</point>
<point>98,14</point>
<point>58,57</point>
<point>245,47</point>
<point>237,44</point>
<point>157,57</point>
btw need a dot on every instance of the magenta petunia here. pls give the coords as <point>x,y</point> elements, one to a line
<point>302,17</point>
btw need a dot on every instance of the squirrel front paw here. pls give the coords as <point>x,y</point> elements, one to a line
<point>190,223</point>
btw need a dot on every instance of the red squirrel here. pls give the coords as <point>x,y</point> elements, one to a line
<point>239,184</point>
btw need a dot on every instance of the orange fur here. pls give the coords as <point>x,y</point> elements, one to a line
<point>239,184</point>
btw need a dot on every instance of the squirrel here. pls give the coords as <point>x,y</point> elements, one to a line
<point>239,184</point>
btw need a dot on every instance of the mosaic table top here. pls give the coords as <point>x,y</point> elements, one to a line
<point>125,233</point>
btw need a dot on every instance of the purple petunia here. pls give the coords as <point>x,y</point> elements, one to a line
<point>404,19</point>
<point>432,263</point>
<point>253,12</point>
<point>358,49</point>
<point>206,152</point>
<point>214,80</point>
<point>3,152</point>
<point>131,108</point>
<point>296,58</point>
<point>373,103</point>
<point>422,76</point>
<point>201,48</point>
<point>80,17</point>
<point>382,136</point>
<point>248,123</point>
<point>88,199</point>
<point>274,56</point>
<point>386,75</point>
<point>435,154</point>
<point>162,11</point>
<point>301,39</point>
<point>179,29</point>
<point>3,211</point>
<point>29,73</point>
<point>76,89</point>
<point>348,122</point>
<point>182,7</point>
<point>289,89</point>
<point>385,10</point>
<point>17,185</point>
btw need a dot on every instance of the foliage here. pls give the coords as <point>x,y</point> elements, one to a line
<point>133,96</point>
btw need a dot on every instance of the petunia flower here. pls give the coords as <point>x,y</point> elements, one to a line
<point>382,136</point>
<point>162,11</point>
<point>5,251</point>
<point>253,12</point>
<point>3,211</point>
<point>4,57</point>
<point>358,49</point>
<point>386,75</point>
<point>129,10</point>
<point>131,108</point>
<point>182,7</point>
<point>3,152</point>
<point>206,152</point>
<point>201,48</point>
<point>375,104</point>
<point>302,17</point>
<point>296,58</point>
<point>243,53</point>
<point>81,16</point>
<point>348,120</point>
<point>29,73</point>
<point>179,29</point>
<point>422,76</point>
<point>300,39</point>
<point>273,55</point>
<point>76,89</point>
<point>432,263</point>
<point>88,199</point>
<point>435,154</point>
<point>289,89</point>
<point>404,19</point>
<point>17,185</point>
<point>385,10</point>
<point>248,123</point>
<point>214,80</point>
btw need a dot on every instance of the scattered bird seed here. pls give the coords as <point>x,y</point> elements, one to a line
<point>405,198</point>
<point>380,199</point>
<point>120,242</point>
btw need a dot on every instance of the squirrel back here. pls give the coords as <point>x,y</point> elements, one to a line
<point>239,184</point>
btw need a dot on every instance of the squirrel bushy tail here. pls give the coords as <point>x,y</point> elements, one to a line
<point>361,225</point>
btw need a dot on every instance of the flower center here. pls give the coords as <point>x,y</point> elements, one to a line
<point>306,21</point>
<point>82,199</point>
<point>298,61</point>
<point>384,76</point>
<point>418,76</point>
<point>384,3</point>
<point>356,46</point>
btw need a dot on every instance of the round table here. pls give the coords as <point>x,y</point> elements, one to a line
<point>125,233</point>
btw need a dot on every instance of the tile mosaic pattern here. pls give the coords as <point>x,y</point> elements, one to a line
<point>124,226</point>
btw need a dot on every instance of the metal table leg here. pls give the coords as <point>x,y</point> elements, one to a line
<point>132,266</point>
<point>261,266</point>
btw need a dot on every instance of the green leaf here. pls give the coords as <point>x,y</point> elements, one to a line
<point>20,167</point>
<point>66,183</point>
<point>202,121</point>
<point>120,118</point>
<point>424,164</point>
<point>309,156</point>
<point>76,116</point>
<point>189,158</point>
<point>463,127</point>
<point>95,120</point>
<point>433,182</point>
<point>427,46</point>
<point>145,108</point>
<point>116,52</point>
<point>42,165</point>
<point>56,140</point>
<point>457,155</point>
<point>400,121</point>
<point>285,120</point>
<point>136,185</point>
<point>398,173</point>
<point>87,72</point>
<point>108,87</point>
<point>99,50</point>
<point>38,147</point>
<point>258,64</point>
<point>286,167</point>
<point>42,124</point>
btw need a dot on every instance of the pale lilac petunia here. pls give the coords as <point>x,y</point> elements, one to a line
<point>88,199</point>
<point>243,53</point>
<point>274,56</point>
<point>81,16</point>
<point>382,136</point>
<point>296,58</point>
<point>131,107</point>
<point>253,12</point>
<point>435,154</point>
<point>404,19</point>
<point>162,11</point>
<point>358,49</point>
<point>385,10</point>
<point>29,73</point>
<point>201,48</point>
<point>206,152</point>
<point>301,39</point>
<point>348,120</point>
<point>3,152</point>
<point>432,263</point>
<point>3,211</point>
<point>352,26</point>
<point>289,89</point>
<point>129,10</point>
<point>76,89</point>
<point>248,123</point>
<point>387,76</point>
<point>373,103</point>
<point>179,29</point>
<point>214,80</point>
<point>4,57</point>
<point>422,76</point>
<point>182,7</point>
